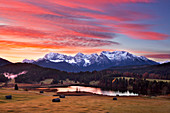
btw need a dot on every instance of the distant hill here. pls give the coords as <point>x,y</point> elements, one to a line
<point>4,62</point>
<point>162,69</point>
<point>33,73</point>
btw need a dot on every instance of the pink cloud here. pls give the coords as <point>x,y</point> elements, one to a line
<point>146,35</point>
<point>161,56</point>
<point>19,31</point>
<point>66,24</point>
<point>60,17</point>
<point>134,26</point>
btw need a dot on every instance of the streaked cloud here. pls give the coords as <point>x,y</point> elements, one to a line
<point>89,25</point>
<point>159,56</point>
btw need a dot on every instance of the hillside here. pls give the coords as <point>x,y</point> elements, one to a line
<point>161,69</point>
<point>158,69</point>
<point>33,73</point>
<point>4,62</point>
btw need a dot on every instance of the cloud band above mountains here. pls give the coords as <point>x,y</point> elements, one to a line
<point>59,24</point>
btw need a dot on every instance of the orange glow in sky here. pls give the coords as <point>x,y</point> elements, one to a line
<point>32,28</point>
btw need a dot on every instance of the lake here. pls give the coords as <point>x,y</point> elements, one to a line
<point>94,90</point>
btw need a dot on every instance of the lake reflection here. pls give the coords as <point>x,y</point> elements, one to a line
<point>95,91</point>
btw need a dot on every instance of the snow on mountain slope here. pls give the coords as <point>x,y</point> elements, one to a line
<point>164,62</point>
<point>116,55</point>
<point>28,61</point>
<point>111,58</point>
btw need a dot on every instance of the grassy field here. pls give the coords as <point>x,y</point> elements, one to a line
<point>158,80</point>
<point>47,81</point>
<point>32,101</point>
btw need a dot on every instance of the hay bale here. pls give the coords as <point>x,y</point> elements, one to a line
<point>56,100</point>
<point>114,98</point>
<point>62,96</point>
<point>41,91</point>
<point>26,89</point>
<point>8,97</point>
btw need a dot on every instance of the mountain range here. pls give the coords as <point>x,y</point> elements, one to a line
<point>83,62</point>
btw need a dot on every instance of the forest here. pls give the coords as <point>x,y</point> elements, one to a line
<point>136,82</point>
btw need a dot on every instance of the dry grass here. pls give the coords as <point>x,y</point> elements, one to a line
<point>32,101</point>
<point>67,81</point>
<point>94,82</point>
<point>158,80</point>
<point>47,81</point>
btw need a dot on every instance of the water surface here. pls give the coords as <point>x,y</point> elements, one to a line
<point>94,91</point>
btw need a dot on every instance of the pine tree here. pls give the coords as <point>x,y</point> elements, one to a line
<point>16,87</point>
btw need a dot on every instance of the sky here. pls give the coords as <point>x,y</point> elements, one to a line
<point>29,29</point>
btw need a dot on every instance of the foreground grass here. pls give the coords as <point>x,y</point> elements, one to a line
<point>31,101</point>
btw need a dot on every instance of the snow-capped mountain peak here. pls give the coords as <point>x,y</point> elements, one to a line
<point>106,52</point>
<point>164,62</point>
<point>118,55</point>
<point>28,61</point>
<point>115,58</point>
<point>79,54</point>
<point>53,56</point>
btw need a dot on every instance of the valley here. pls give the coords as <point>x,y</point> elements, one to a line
<point>84,56</point>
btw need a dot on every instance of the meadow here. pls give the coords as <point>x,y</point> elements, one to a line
<point>157,80</point>
<point>34,102</point>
